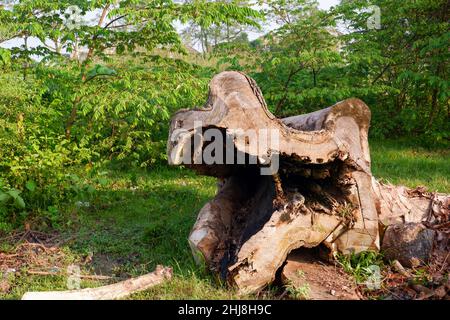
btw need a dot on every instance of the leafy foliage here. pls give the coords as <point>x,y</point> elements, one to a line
<point>400,69</point>
<point>68,101</point>
<point>360,265</point>
<point>100,91</point>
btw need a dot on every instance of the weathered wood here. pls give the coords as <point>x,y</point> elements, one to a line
<point>323,192</point>
<point>110,292</point>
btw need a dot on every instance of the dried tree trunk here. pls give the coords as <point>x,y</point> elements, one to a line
<point>323,192</point>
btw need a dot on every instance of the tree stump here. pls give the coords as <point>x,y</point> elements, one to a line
<point>284,183</point>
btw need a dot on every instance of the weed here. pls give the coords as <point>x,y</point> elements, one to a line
<point>360,265</point>
<point>298,292</point>
<point>421,276</point>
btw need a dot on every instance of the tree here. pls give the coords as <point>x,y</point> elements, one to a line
<point>66,112</point>
<point>125,26</point>
<point>401,66</point>
<point>304,44</point>
<point>393,55</point>
<point>225,31</point>
<point>306,184</point>
<point>291,62</point>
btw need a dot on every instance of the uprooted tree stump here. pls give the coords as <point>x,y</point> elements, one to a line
<point>319,189</point>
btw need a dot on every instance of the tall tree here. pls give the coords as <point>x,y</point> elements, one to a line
<point>124,26</point>
<point>299,49</point>
<point>228,29</point>
<point>401,65</point>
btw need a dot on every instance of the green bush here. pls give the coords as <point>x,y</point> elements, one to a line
<point>123,114</point>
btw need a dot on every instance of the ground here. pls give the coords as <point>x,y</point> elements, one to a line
<point>138,219</point>
<point>307,277</point>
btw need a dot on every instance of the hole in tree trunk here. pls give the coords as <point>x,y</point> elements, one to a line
<point>299,188</point>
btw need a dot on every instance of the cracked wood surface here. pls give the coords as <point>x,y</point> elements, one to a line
<point>323,192</point>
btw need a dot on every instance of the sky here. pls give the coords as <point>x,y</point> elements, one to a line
<point>323,4</point>
<point>326,4</point>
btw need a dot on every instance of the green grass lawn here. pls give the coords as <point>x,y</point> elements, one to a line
<point>139,219</point>
<point>403,163</point>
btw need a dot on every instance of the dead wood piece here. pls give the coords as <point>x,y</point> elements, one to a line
<point>109,292</point>
<point>400,269</point>
<point>322,193</point>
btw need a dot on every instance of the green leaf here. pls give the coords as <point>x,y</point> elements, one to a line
<point>103,181</point>
<point>4,197</point>
<point>5,56</point>
<point>31,185</point>
<point>90,189</point>
<point>100,70</point>
<point>18,201</point>
<point>13,193</point>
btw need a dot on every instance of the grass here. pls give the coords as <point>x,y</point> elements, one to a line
<point>298,292</point>
<point>404,163</point>
<point>137,219</point>
<point>360,265</point>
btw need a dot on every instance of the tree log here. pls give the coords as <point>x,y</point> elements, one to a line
<point>110,292</point>
<point>320,189</point>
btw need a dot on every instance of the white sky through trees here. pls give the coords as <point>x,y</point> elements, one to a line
<point>33,42</point>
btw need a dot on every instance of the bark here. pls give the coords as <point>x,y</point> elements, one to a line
<point>323,193</point>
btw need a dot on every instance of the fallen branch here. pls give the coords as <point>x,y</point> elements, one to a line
<point>109,292</point>
<point>400,269</point>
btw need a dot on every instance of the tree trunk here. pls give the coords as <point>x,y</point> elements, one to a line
<point>306,180</point>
